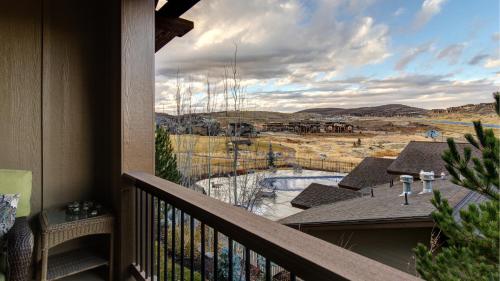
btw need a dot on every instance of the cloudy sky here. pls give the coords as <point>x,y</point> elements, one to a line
<point>299,54</point>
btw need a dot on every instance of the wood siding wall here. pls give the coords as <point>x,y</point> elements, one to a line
<point>20,91</point>
<point>393,247</point>
<point>76,95</point>
<point>54,97</point>
<point>76,101</point>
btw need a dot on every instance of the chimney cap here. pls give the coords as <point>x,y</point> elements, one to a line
<point>406,178</point>
<point>427,176</point>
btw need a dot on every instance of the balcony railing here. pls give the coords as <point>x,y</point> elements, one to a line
<point>184,235</point>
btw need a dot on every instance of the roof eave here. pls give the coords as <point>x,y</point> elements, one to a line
<point>409,222</point>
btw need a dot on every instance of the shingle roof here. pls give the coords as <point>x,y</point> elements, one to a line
<point>370,172</point>
<point>318,194</point>
<point>418,155</point>
<point>385,206</point>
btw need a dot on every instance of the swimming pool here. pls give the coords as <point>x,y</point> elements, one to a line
<point>298,183</point>
<point>286,183</point>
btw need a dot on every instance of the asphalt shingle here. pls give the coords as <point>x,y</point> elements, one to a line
<point>369,173</point>
<point>318,194</point>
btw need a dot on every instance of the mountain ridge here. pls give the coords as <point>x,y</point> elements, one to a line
<point>387,110</point>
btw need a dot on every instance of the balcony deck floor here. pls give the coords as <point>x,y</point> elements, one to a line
<point>90,275</point>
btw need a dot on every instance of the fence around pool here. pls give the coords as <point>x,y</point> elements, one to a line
<point>202,166</point>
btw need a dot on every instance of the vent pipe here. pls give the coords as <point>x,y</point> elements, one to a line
<point>427,178</point>
<point>407,180</point>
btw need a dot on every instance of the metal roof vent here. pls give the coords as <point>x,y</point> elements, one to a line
<point>427,178</point>
<point>407,180</point>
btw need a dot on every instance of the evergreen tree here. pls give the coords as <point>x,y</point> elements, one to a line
<point>165,159</point>
<point>471,251</point>
<point>271,157</point>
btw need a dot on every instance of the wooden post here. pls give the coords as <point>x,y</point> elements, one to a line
<point>134,117</point>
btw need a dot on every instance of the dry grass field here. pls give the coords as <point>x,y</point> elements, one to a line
<point>380,137</point>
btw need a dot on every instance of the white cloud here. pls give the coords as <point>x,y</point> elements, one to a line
<point>492,63</point>
<point>277,38</point>
<point>429,9</point>
<point>427,91</point>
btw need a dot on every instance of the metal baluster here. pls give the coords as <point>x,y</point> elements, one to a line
<point>146,264</point>
<point>173,243</point>
<point>141,228</point>
<point>136,207</point>
<point>202,250</point>
<point>152,241</point>
<point>158,237</point>
<point>191,243</point>
<point>230,258</point>
<point>268,269</point>
<point>216,254</point>
<point>165,242</point>
<point>247,264</point>
<point>182,245</point>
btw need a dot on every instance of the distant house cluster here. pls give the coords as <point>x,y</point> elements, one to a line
<point>369,213</point>
<point>480,108</point>
<point>309,127</point>
<point>204,126</point>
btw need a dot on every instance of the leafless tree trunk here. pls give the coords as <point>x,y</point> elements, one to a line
<point>185,140</point>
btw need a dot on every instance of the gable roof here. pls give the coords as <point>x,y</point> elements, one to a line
<point>385,207</point>
<point>423,155</point>
<point>370,172</point>
<point>318,194</point>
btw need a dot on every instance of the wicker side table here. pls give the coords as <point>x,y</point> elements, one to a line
<point>56,229</point>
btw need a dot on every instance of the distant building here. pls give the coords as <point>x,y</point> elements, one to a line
<point>241,129</point>
<point>309,127</point>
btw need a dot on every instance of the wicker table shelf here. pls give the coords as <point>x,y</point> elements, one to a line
<point>57,229</point>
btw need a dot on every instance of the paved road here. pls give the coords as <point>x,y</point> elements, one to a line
<point>495,126</point>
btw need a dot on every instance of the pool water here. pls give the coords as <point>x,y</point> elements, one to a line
<point>298,183</point>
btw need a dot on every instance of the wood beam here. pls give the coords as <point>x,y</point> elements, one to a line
<point>167,28</point>
<point>175,8</point>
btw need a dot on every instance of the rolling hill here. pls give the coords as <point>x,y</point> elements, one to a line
<point>387,110</point>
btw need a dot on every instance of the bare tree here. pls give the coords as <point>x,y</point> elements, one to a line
<point>185,140</point>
